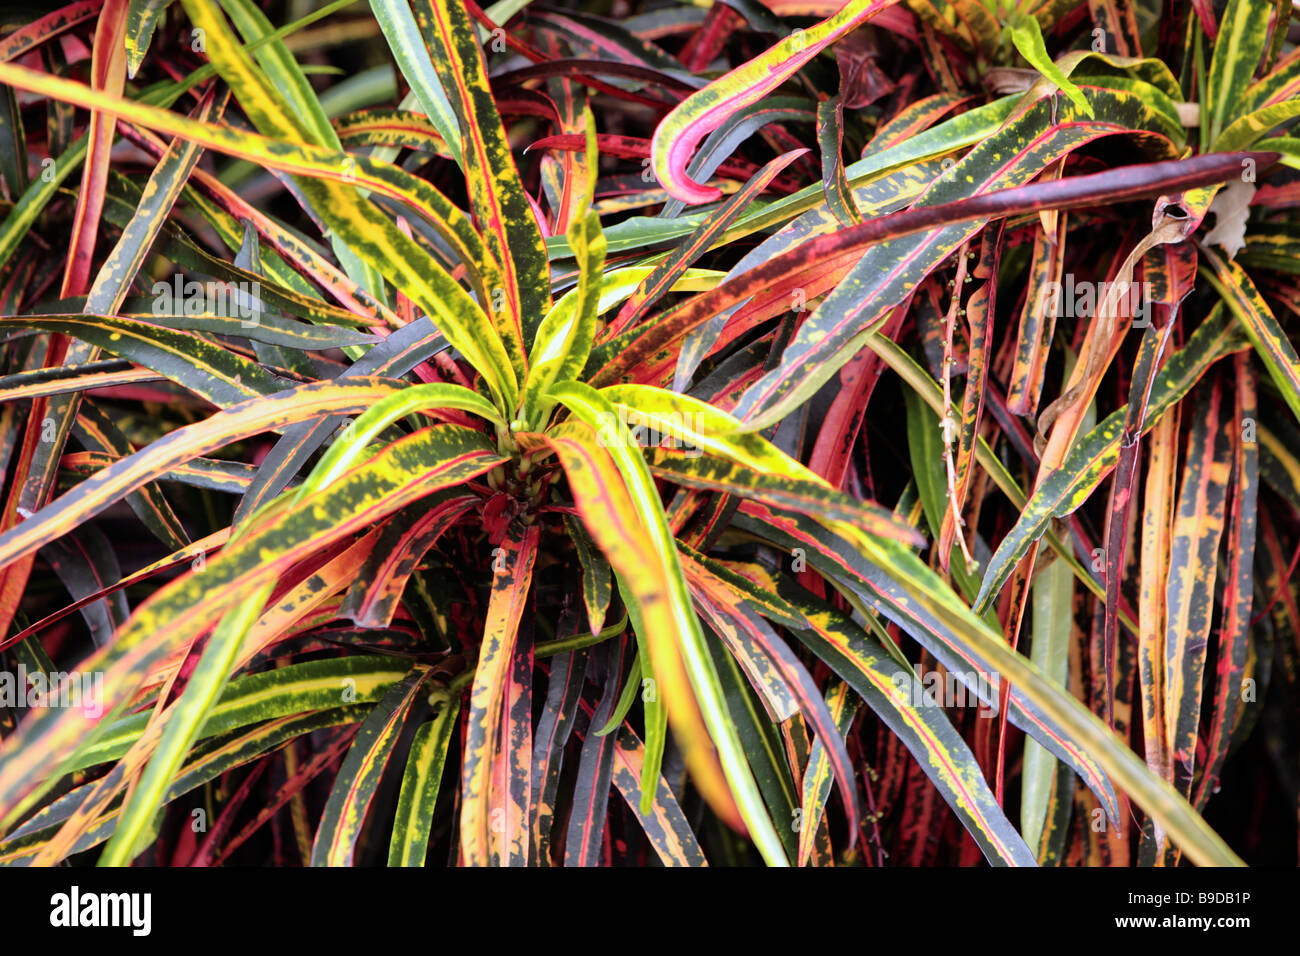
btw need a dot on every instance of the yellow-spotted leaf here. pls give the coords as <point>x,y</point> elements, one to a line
<point>399,474</point>
<point>369,233</point>
<point>362,770</point>
<point>511,580</point>
<point>1095,454</point>
<point>1271,342</point>
<point>252,417</point>
<point>694,468</point>
<point>656,416</point>
<point>1243,34</point>
<point>496,194</point>
<point>1193,571</point>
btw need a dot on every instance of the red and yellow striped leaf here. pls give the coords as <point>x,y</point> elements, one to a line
<point>680,131</point>
<point>481,810</point>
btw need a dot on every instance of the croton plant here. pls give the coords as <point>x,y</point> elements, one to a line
<point>639,432</point>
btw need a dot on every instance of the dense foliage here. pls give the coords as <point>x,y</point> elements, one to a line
<point>624,433</point>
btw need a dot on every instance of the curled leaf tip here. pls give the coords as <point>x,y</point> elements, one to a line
<point>705,110</point>
<point>670,153</point>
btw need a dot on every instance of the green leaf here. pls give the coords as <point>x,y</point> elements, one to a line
<point>402,472</point>
<point>264,697</point>
<point>1193,571</point>
<point>830,137</point>
<point>1053,622</point>
<point>221,376</point>
<point>165,183</point>
<point>564,337</point>
<point>403,36</point>
<point>596,589</point>
<point>498,199</point>
<point>891,270</point>
<point>358,779</point>
<point>1028,39</point>
<point>141,19</point>
<point>1271,343</point>
<point>909,710</point>
<point>1243,33</point>
<point>1093,455</point>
